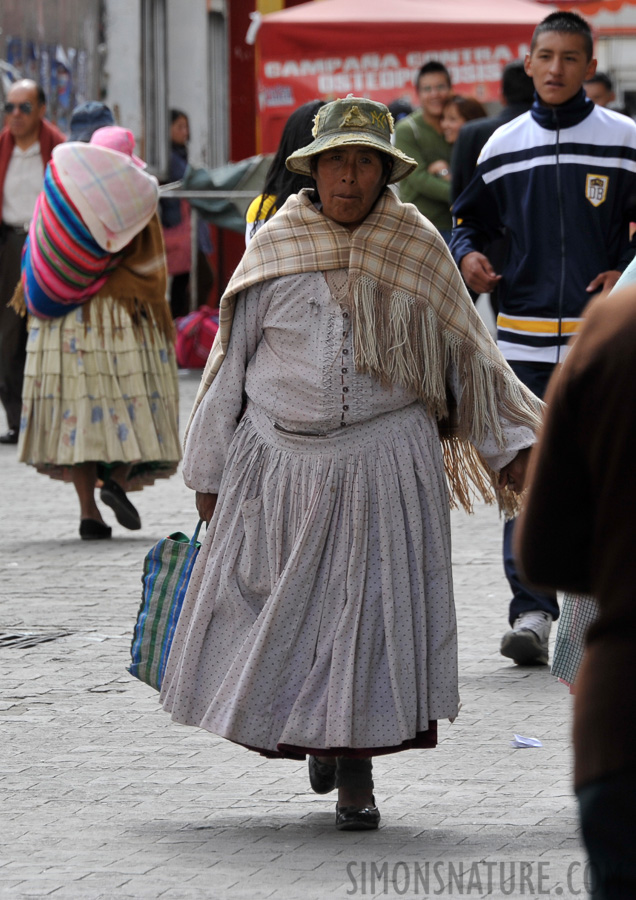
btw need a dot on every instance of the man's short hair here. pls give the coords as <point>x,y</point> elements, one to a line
<point>601,78</point>
<point>432,67</point>
<point>516,85</point>
<point>39,91</point>
<point>565,22</point>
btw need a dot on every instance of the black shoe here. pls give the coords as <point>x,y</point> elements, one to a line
<point>322,776</point>
<point>92,530</point>
<point>356,818</point>
<point>115,496</point>
<point>10,437</point>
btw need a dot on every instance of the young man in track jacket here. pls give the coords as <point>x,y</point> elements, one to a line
<point>561,179</point>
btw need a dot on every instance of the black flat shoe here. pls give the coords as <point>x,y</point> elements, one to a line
<point>10,437</point>
<point>92,530</point>
<point>322,776</point>
<point>356,818</point>
<point>115,496</point>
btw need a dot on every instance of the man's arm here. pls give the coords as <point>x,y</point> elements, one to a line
<point>630,253</point>
<point>476,223</point>
<point>605,281</point>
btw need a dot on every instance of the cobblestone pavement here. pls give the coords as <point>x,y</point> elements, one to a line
<point>104,797</point>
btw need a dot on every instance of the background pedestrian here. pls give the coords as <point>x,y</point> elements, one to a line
<point>567,217</point>
<point>419,135</point>
<point>100,397</point>
<point>26,143</point>
<point>280,183</point>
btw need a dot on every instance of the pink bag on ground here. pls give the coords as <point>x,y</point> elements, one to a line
<point>195,336</point>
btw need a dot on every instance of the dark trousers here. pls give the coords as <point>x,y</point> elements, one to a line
<point>607,809</point>
<point>180,288</point>
<point>13,329</point>
<point>524,599</point>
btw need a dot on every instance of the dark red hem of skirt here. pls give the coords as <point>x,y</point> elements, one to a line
<point>423,740</point>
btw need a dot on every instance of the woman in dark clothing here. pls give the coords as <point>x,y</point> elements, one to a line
<point>172,212</point>
<point>280,183</point>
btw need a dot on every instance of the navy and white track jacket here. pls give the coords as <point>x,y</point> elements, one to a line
<point>562,182</point>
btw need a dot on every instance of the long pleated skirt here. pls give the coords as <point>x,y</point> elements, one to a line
<point>100,389</point>
<point>320,613</point>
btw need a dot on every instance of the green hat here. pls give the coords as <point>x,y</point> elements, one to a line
<point>354,120</point>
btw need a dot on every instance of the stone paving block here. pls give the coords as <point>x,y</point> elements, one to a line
<point>9,887</point>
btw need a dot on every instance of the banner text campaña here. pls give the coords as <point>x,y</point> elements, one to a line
<point>390,71</point>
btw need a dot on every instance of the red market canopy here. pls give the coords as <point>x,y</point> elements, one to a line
<point>374,48</point>
<point>433,13</point>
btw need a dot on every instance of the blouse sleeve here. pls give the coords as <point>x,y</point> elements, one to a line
<point>516,437</point>
<point>219,413</point>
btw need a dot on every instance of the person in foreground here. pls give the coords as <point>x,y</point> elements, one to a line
<point>319,619</point>
<point>576,534</point>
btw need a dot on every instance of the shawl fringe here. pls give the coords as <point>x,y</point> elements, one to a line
<point>398,339</point>
<point>411,318</point>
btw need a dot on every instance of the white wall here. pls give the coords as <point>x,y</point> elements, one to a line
<point>123,65</point>
<point>188,70</point>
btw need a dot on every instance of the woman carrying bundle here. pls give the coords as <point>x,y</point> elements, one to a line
<point>100,393</point>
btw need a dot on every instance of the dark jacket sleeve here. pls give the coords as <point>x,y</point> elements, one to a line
<point>476,219</point>
<point>464,160</point>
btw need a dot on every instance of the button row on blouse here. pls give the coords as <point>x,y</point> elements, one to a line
<point>345,370</point>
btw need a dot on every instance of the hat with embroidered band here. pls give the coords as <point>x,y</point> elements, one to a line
<point>354,120</point>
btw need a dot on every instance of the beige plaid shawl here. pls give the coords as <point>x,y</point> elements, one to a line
<point>411,316</point>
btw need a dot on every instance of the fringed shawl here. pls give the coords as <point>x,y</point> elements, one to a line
<point>138,284</point>
<point>411,317</point>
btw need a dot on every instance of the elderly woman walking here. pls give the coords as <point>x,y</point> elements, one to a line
<point>319,619</point>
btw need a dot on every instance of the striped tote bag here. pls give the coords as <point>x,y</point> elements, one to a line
<point>167,569</point>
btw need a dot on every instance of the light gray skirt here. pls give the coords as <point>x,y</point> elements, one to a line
<point>320,611</point>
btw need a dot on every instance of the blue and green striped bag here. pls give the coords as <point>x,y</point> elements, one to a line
<point>167,570</point>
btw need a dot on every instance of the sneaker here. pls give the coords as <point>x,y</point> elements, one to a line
<point>527,641</point>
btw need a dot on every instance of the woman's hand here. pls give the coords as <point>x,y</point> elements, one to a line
<point>206,504</point>
<point>440,168</point>
<point>513,475</point>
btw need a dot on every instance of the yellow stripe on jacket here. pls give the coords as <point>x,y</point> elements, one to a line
<point>532,325</point>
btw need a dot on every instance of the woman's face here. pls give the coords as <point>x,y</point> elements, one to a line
<point>180,131</point>
<point>349,180</point>
<point>451,123</point>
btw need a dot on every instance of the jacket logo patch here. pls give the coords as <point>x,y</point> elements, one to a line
<point>596,188</point>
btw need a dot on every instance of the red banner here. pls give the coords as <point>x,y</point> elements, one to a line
<point>285,82</point>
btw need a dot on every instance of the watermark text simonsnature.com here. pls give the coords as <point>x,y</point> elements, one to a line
<point>513,878</point>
